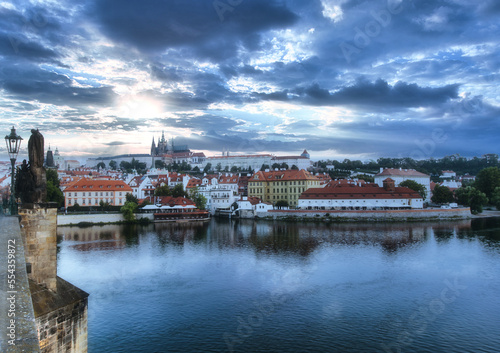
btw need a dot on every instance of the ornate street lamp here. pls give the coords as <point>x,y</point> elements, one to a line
<point>13,142</point>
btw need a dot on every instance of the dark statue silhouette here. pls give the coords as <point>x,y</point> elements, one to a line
<point>31,180</point>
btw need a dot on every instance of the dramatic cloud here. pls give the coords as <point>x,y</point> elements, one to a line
<point>342,78</point>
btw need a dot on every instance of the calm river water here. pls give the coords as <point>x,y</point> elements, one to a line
<point>245,286</point>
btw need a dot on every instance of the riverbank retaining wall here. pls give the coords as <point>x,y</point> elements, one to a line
<point>371,215</point>
<point>74,219</point>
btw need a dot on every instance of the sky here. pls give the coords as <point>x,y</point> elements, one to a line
<point>341,78</point>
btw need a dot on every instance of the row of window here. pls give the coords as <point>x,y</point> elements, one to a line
<point>96,194</point>
<point>284,183</point>
<point>96,201</point>
<point>255,191</point>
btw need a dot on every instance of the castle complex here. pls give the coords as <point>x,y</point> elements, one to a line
<point>169,153</point>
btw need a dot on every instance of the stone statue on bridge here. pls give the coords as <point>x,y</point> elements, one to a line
<point>31,180</point>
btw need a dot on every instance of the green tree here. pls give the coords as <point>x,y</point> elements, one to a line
<point>104,205</point>
<point>54,194</point>
<point>275,166</point>
<point>218,167</point>
<point>294,167</point>
<point>472,197</point>
<point>196,170</point>
<point>178,191</point>
<point>160,164</point>
<point>126,166</point>
<point>234,169</point>
<point>131,198</point>
<point>264,167</point>
<point>207,168</point>
<point>495,198</point>
<point>415,187</point>
<point>112,165</point>
<point>128,211</point>
<point>284,165</point>
<point>163,191</point>
<point>199,200</point>
<point>281,203</point>
<point>488,180</point>
<point>101,165</point>
<point>442,194</point>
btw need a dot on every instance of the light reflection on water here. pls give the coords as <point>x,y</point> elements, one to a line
<point>287,287</point>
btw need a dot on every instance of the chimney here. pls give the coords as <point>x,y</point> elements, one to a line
<point>389,185</point>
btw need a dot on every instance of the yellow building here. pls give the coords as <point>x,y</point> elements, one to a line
<point>281,185</point>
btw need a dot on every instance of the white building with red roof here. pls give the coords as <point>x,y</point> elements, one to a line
<point>221,191</point>
<point>249,206</point>
<point>400,175</point>
<point>355,196</point>
<point>142,186</point>
<point>88,192</point>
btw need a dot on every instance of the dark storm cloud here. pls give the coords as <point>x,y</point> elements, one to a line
<point>155,25</point>
<point>29,83</point>
<point>363,93</point>
<point>32,34</point>
<point>401,56</point>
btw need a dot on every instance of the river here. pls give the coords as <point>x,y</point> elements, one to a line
<point>263,286</point>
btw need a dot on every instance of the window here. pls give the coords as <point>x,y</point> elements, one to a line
<point>83,193</point>
<point>69,194</point>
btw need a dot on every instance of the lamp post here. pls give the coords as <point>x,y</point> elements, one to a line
<point>13,142</point>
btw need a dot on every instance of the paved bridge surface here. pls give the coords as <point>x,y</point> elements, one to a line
<point>18,331</point>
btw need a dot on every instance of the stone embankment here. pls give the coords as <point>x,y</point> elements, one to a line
<point>370,215</point>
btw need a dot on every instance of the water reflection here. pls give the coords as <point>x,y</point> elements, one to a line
<point>187,287</point>
<point>274,237</point>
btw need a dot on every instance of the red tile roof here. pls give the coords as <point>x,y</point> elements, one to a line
<point>232,179</point>
<point>401,172</point>
<point>193,182</point>
<point>282,175</point>
<point>85,184</point>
